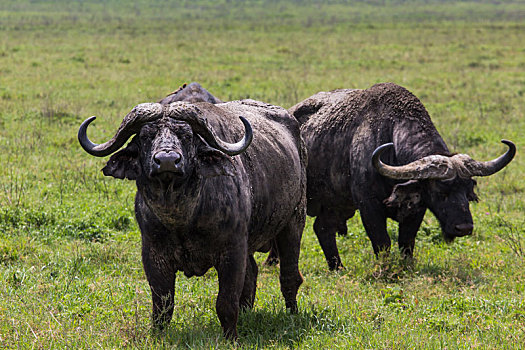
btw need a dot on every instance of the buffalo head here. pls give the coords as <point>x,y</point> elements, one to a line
<point>441,183</point>
<point>171,143</point>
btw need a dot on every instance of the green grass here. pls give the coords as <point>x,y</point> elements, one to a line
<point>70,270</point>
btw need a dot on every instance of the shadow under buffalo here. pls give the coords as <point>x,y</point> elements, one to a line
<point>257,329</point>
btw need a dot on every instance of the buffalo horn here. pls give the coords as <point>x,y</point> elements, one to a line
<point>191,115</point>
<point>131,125</point>
<point>470,167</point>
<point>436,167</point>
<point>440,167</point>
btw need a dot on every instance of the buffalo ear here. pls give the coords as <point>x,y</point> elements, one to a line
<point>471,195</point>
<point>406,197</point>
<point>124,163</point>
<point>212,162</point>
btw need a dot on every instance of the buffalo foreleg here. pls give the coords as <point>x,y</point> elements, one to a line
<point>161,279</point>
<point>325,227</point>
<point>407,233</point>
<point>374,219</point>
<point>289,244</point>
<point>231,270</point>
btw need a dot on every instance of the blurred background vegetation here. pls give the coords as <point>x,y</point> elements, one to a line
<point>70,271</point>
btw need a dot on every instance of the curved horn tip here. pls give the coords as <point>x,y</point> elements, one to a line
<point>512,148</point>
<point>241,146</point>
<point>508,143</point>
<point>88,121</point>
<point>248,136</point>
<point>247,125</point>
<point>83,128</point>
<point>379,150</point>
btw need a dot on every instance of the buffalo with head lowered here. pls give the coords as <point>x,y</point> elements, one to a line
<point>204,200</point>
<point>351,136</point>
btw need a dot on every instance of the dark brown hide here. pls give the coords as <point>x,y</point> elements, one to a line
<point>198,208</point>
<point>193,92</point>
<point>341,129</point>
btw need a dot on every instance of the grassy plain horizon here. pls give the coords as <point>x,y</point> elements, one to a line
<point>70,269</point>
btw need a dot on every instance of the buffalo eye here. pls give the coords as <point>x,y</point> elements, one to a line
<point>441,189</point>
<point>185,137</point>
<point>471,195</point>
<point>146,133</point>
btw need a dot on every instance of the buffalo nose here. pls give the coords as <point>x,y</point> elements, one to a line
<point>464,229</point>
<point>167,161</point>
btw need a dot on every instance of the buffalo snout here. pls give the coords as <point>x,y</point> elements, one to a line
<point>167,161</point>
<point>463,230</point>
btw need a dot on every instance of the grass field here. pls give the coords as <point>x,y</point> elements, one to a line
<point>70,269</point>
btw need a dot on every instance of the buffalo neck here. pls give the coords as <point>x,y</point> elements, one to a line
<point>172,202</point>
<point>412,141</point>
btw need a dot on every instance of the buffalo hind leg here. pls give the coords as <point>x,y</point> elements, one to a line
<point>289,244</point>
<point>325,227</point>
<point>407,234</point>
<point>231,270</point>
<point>161,278</point>
<point>250,284</point>
<point>374,221</point>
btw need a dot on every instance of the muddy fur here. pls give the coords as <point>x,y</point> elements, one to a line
<point>341,129</point>
<point>216,210</point>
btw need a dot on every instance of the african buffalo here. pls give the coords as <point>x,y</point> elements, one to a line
<point>203,202</point>
<point>343,128</point>
<point>193,92</point>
